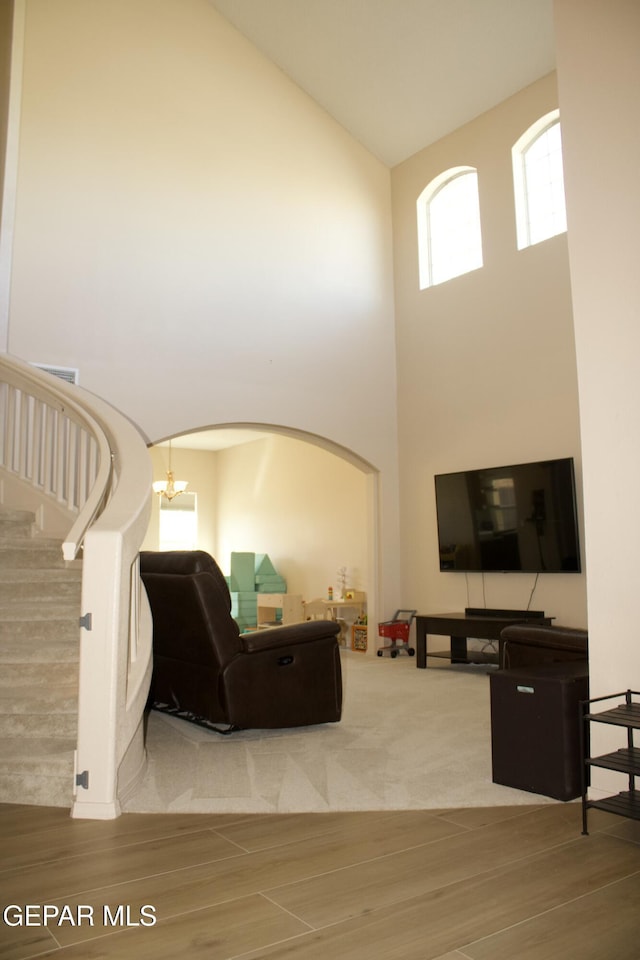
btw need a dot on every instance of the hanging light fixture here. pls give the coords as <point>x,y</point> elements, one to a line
<point>170,487</point>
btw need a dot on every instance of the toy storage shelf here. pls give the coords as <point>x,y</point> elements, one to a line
<point>625,760</point>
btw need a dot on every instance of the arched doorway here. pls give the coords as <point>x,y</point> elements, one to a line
<point>307,502</point>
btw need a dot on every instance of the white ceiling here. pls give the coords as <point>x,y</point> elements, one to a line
<point>218,438</point>
<point>400,74</point>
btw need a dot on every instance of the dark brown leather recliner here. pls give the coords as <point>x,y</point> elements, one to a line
<point>528,644</point>
<point>206,671</point>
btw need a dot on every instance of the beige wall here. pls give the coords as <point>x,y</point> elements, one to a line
<point>486,362</point>
<point>201,239</point>
<point>209,247</point>
<point>199,468</point>
<point>599,77</point>
<point>10,70</point>
<point>303,506</point>
<point>6,27</point>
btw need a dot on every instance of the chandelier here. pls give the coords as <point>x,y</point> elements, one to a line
<point>170,487</point>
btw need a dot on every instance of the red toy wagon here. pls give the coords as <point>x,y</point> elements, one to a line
<point>396,630</point>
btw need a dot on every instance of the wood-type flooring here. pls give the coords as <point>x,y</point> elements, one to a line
<point>501,883</point>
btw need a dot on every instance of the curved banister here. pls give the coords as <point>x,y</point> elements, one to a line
<point>37,405</point>
<point>78,454</point>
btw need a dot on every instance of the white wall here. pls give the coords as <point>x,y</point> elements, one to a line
<point>598,47</point>
<point>486,362</point>
<point>199,238</point>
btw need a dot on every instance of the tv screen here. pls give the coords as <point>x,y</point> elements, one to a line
<point>517,518</point>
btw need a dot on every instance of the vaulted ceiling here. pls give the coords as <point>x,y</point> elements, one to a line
<point>397,74</point>
<point>400,74</point>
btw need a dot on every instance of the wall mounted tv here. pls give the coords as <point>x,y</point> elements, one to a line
<point>517,518</point>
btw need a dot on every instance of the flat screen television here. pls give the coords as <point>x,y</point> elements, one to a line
<point>518,518</point>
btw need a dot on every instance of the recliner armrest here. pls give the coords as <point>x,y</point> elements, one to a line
<point>288,636</point>
<point>555,638</point>
<point>527,644</point>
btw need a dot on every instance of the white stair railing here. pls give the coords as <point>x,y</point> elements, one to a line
<point>87,470</point>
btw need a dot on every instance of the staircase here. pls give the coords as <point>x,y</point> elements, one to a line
<point>39,644</point>
<point>72,698</point>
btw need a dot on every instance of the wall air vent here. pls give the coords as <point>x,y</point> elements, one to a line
<point>70,374</point>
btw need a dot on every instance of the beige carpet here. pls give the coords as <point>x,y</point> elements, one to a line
<point>409,739</point>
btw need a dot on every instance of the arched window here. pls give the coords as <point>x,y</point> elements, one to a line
<point>449,236</point>
<point>538,182</point>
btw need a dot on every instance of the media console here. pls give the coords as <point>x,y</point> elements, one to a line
<point>482,623</point>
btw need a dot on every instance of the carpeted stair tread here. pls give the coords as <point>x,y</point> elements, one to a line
<point>48,610</point>
<point>49,752</point>
<point>47,756</point>
<point>39,591</point>
<point>71,572</point>
<point>36,790</point>
<point>32,726</point>
<point>42,631</point>
<point>35,543</point>
<point>30,651</point>
<point>38,700</point>
<point>17,553</point>
<point>33,674</point>
<point>17,514</point>
<point>40,599</point>
<point>40,585</point>
<point>33,712</point>
<point>15,558</point>
<point>15,527</point>
<point>37,771</point>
